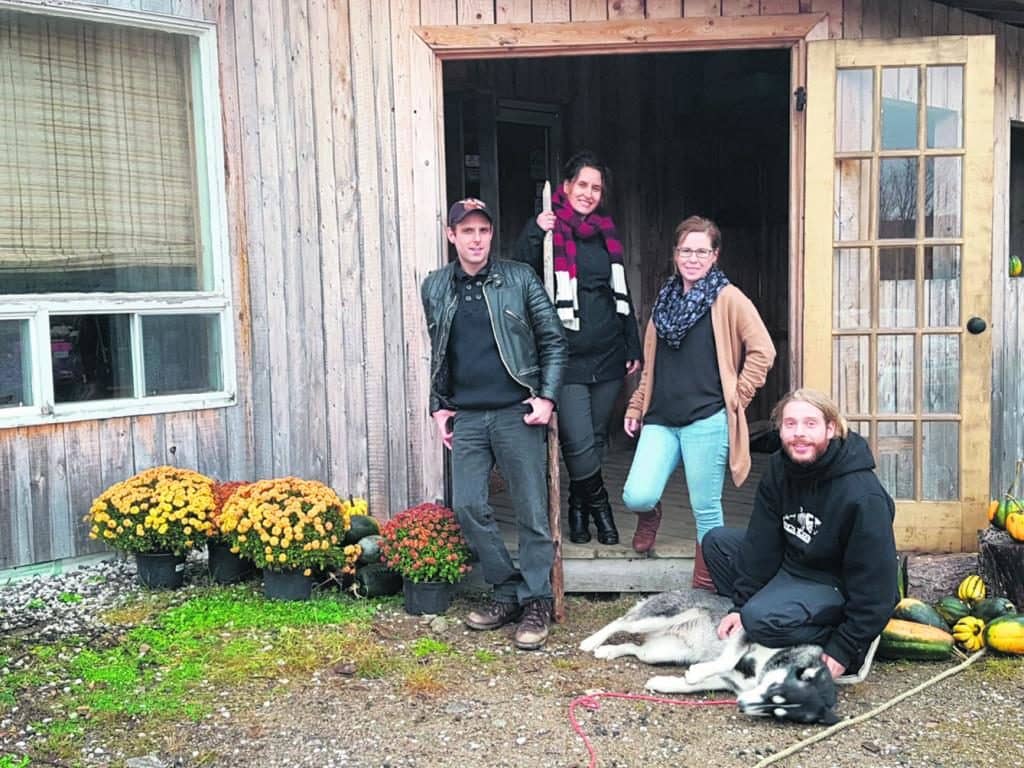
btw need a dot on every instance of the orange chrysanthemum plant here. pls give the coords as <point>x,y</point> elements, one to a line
<point>288,524</point>
<point>222,491</point>
<point>163,509</point>
<point>425,543</point>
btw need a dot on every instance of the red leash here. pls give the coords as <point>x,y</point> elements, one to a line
<point>590,701</point>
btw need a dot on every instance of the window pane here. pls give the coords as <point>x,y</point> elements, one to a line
<point>940,460</point>
<point>91,356</point>
<point>854,116</point>
<point>850,374</point>
<point>941,374</point>
<point>942,198</point>
<point>897,197</point>
<point>852,207</point>
<point>98,184</point>
<point>895,374</point>
<point>862,428</point>
<point>15,364</point>
<point>899,107</point>
<point>181,353</point>
<point>851,292</point>
<point>942,286</point>
<point>896,458</point>
<point>897,299</point>
<point>945,106</point>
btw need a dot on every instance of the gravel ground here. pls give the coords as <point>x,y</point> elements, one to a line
<point>488,704</point>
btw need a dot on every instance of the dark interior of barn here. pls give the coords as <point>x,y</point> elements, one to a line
<point>683,133</point>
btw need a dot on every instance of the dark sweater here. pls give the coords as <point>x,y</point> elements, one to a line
<point>829,522</point>
<point>598,351</point>
<point>687,387</point>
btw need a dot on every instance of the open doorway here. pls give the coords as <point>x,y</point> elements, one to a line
<point>684,133</point>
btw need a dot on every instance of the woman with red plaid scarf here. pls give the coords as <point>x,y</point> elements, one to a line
<point>593,303</point>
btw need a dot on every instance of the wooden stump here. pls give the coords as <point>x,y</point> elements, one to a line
<point>933,577</point>
<point>1001,564</point>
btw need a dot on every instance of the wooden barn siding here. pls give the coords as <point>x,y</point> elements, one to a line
<point>316,203</point>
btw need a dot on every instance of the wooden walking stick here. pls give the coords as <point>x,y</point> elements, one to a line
<point>554,486</point>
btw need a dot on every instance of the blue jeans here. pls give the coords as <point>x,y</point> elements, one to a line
<point>703,447</point>
<point>483,438</point>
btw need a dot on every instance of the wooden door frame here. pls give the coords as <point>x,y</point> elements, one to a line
<point>430,46</point>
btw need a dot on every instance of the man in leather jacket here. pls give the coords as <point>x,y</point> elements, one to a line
<point>498,354</point>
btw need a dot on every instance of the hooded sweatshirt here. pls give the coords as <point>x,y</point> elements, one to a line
<point>829,522</point>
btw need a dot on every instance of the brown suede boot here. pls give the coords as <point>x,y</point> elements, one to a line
<point>701,577</point>
<point>647,524</point>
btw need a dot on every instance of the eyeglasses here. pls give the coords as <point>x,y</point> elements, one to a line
<point>701,254</point>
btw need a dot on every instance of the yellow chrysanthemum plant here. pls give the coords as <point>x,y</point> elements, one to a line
<point>289,524</point>
<point>163,509</point>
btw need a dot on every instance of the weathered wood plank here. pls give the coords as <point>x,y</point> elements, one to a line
<point>740,7</point>
<point>940,19</point>
<point>1002,338</point>
<point>237,421</point>
<point>212,446</point>
<point>625,9</point>
<point>116,453</point>
<point>769,7</point>
<point>434,12</point>
<point>955,21</point>
<point>586,37</point>
<point>584,10</point>
<point>915,18</point>
<point>347,409</point>
<point>512,11</point>
<point>889,19</point>
<point>853,19</point>
<point>834,9</point>
<point>309,395</point>
<point>702,8</point>
<point>551,10</point>
<point>475,11</point>
<point>84,455</point>
<point>871,19</point>
<point>664,9</point>
<point>180,439</point>
<point>9,552</point>
<point>49,530</point>
<point>149,445</point>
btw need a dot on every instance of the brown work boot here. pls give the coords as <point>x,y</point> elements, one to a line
<point>496,614</point>
<point>532,631</point>
<point>647,524</point>
<point>701,576</point>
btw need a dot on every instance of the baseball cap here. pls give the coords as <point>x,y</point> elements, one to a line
<point>463,208</point>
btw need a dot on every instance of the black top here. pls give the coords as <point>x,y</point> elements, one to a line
<point>830,522</point>
<point>478,377</point>
<point>598,351</point>
<point>687,386</point>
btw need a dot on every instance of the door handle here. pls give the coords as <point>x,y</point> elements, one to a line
<point>976,325</point>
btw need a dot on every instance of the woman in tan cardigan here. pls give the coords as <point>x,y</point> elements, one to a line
<point>707,353</point>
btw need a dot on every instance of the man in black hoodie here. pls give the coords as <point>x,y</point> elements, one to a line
<point>817,563</point>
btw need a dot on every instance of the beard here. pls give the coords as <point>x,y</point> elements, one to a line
<point>805,451</point>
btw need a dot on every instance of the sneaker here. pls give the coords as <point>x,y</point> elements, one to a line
<point>496,614</point>
<point>532,631</point>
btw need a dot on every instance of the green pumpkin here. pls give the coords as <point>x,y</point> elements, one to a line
<point>912,609</point>
<point>992,608</point>
<point>952,609</point>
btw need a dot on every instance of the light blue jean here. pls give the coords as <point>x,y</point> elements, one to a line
<point>703,447</point>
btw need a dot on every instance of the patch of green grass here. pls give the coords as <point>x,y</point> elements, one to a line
<point>428,646</point>
<point>10,761</point>
<point>35,604</point>
<point>484,656</point>
<point>70,597</point>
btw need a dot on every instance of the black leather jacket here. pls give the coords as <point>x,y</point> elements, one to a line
<point>526,327</point>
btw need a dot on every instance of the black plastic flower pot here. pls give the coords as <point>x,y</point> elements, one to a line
<point>287,585</point>
<point>227,567</point>
<point>426,597</point>
<point>160,570</point>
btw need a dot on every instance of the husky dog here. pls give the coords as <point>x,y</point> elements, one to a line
<point>787,683</point>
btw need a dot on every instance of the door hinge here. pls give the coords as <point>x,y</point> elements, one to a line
<point>800,98</point>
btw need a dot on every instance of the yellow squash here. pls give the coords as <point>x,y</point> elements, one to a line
<point>971,588</point>
<point>968,633</point>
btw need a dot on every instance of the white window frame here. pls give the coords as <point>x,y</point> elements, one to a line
<point>212,205</point>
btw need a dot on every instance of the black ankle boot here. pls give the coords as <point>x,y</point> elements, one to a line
<point>579,528</point>
<point>595,500</point>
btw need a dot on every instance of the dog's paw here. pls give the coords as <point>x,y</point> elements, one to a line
<point>605,652</point>
<point>662,684</point>
<point>590,644</point>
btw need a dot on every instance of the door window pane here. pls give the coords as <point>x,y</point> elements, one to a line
<point>91,357</point>
<point>852,209</point>
<point>897,297</point>
<point>897,197</point>
<point>942,286</point>
<point>942,198</point>
<point>899,107</point>
<point>941,374</point>
<point>851,290</point>
<point>850,374</point>
<point>862,428</point>
<point>945,110</point>
<point>896,458</point>
<point>180,353</point>
<point>15,364</point>
<point>854,118</point>
<point>895,374</point>
<point>940,460</point>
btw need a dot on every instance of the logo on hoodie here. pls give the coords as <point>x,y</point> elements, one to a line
<point>801,524</point>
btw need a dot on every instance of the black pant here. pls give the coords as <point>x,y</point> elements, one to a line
<point>786,611</point>
<point>583,413</point>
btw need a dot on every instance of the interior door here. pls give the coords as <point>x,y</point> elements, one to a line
<point>897,266</point>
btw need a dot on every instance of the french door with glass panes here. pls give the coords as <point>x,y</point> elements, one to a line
<point>897,264</point>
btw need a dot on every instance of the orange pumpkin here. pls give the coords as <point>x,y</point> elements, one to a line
<point>1015,525</point>
<point>993,506</point>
